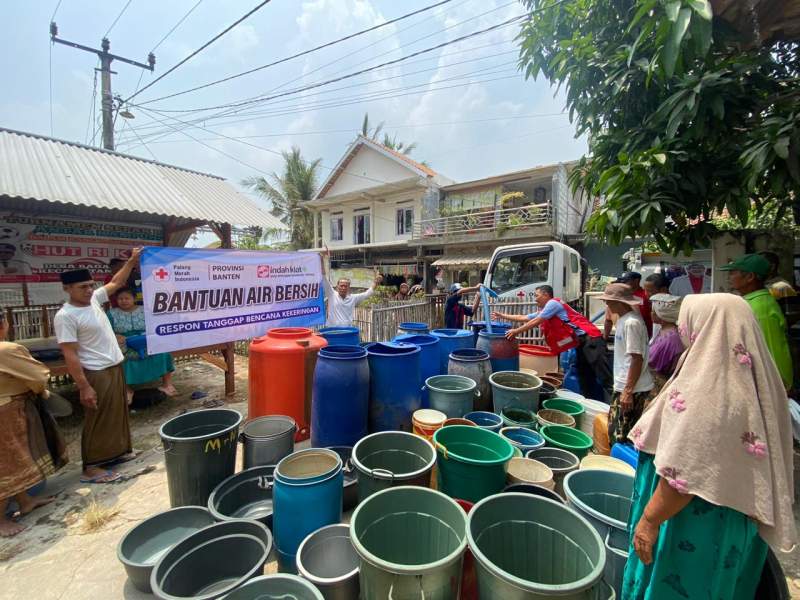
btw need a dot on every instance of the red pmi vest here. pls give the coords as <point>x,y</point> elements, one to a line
<point>561,336</point>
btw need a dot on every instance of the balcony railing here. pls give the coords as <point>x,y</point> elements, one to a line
<point>497,221</point>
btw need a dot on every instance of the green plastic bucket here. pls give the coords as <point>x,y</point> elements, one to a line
<point>411,541</point>
<point>453,395</point>
<point>514,416</point>
<point>512,388</point>
<point>530,547</point>
<point>471,462</point>
<point>571,407</point>
<point>567,438</point>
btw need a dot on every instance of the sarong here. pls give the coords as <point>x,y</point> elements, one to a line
<point>106,432</point>
<point>33,449</point>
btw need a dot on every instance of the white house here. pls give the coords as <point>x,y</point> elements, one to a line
<point>381,208</point>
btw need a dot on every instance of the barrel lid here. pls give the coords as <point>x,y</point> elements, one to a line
<point>452,333</point>
<point>418,339</point>
<point>392,348</point>
<point>429,416</point>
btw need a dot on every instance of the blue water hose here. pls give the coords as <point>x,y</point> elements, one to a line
<point>485,292</point>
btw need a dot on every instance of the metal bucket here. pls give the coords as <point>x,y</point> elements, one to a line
<point>327,559</point>
<point>391,458</point>
<point>267,440</point>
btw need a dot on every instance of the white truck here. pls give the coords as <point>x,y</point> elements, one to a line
<point>516,271</point>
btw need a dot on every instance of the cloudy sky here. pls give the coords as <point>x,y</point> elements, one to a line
<point>465,105</point>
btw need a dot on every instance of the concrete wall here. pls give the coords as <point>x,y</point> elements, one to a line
<point>373,167</point>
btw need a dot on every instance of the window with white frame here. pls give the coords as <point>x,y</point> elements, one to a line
<point>361,229</point>
<point>404,220</point>
<point>337,227</point>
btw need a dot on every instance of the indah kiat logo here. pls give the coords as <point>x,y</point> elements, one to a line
<point>265,271</point>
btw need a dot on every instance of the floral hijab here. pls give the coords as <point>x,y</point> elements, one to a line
<point>720,428</point>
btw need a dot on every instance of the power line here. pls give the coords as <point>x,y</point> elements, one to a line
<point>299,54</point>
<point>385,128</point>
<point>480,58</point>
<point>201,48</point>
<point>55,10</point>
<point>122,12</point>
<point>174,27</point>
<point>359,72</point>
<point>359,100</point>
<point>146,147</point>
<point>91,109</point>
<point>50,63</point>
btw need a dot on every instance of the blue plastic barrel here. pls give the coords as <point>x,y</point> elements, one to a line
<point>307,496</point>
<point>449,340</point>
<point>394,385</point>
<point>428,360</point>
<point>340,396</point>
<point>341,336</point>
<point>478,326</point>
<point>627,453</point>
<point>412,327</point>
<point>503,353</point>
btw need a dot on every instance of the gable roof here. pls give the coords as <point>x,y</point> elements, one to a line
<point>40,168</point>
<point>361,142</point>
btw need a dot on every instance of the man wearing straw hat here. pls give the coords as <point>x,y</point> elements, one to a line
<point>633,382</point>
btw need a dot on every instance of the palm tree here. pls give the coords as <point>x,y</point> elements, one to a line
<point>288,192</point>
<point>373,133</point>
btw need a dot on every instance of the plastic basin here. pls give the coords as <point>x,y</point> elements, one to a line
<point>392,458</point>
<point>561,462</point>
<point>411,542</point>
<point>513,416</point>
<point>523,438</point>
<point>536,490</point>
<point>567,438</point>
<point>485,419</point>
<point>571,407</point>
<point>471,462</point>
<point>282,586</point>
<point>141,548</point>
<point>602,497</point>
<point>527,546</point>
<point>327,559</point>
<point>246,495</point>
<point>551,416</point>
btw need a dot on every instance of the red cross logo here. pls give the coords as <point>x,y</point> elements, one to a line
<point>263,271</point>
<point>161,274</point>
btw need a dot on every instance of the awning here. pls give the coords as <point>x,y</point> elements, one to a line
<point>463,260</point>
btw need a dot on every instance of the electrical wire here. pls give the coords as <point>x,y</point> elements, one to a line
<point>50,67</point>
<point>122,12</point>
<point>355,73</point>
<point>200,49</point>
<point>55,10</point>
<point>301,108</point>
<point>146,147</point>
<point>91,110</point>
<point>299,54</point>
<point>174,27</point>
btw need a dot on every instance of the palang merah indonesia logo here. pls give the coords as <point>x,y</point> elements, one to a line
<point>161,274</point>
<point>263,271</point>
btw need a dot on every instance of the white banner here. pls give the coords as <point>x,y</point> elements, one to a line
<point>195,297</point>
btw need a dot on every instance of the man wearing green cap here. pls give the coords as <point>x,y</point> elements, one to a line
<point>746,275</point>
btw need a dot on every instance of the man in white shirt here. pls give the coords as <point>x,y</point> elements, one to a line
<point>94,361</point>
<point>633,382</point>
<point>341,303</point>
<point>696,281</point>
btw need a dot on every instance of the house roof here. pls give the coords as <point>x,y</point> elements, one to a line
<point>361,142</point>
<point>524,174</point>
<point>39,168</point>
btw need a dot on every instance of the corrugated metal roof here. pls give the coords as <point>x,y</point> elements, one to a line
<point>463,260</point>
<point>40,168</point>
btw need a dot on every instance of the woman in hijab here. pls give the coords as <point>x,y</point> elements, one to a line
<point>32,447</point>
<point>666,347</point>
<point>714,483</point>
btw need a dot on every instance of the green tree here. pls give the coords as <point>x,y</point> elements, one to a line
<point>391,142</point>
<point>682,122</point>
<point>287,192</point>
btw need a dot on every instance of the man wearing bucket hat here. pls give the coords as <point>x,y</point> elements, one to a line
<point>746,275</point>
<point>633,383</point>
<point>94,361</point>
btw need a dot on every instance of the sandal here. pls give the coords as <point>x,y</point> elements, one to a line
<point>106,477</point>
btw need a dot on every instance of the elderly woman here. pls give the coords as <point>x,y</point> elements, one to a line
<point>127,320</point>
<point>666,347</point>
<point>32,448</point>
<point>714,483</point>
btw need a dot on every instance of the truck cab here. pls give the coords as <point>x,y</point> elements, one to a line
<point>516,271</point>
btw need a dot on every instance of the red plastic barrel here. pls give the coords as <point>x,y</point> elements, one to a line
<point>281,372</point>
<point>469,578</point>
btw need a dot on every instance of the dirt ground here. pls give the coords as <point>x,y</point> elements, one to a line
<point>69,549</point>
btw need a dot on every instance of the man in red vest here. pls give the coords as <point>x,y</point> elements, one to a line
<point>565,328</point>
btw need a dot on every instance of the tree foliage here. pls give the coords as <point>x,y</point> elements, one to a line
<point>683,122</point>
<point>391,142</point>
<point>287,192</point>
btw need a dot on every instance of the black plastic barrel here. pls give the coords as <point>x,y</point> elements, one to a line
<point>199,452</point>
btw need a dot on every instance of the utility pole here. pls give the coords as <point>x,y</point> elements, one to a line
<point>105,73</point>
